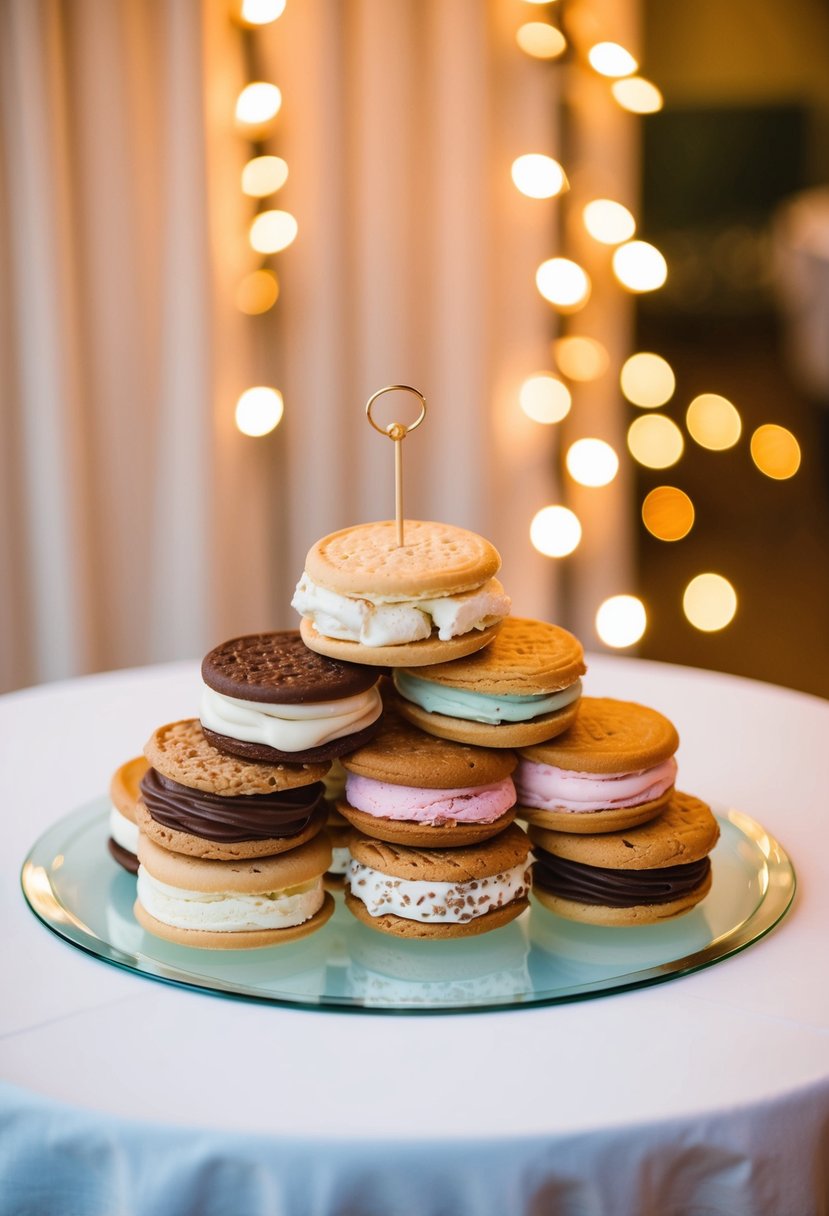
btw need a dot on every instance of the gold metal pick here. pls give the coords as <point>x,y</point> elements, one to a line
<point>398,432</point>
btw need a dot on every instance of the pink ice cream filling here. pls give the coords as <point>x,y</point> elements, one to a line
<point>555,789</point>
<point>481,804</point>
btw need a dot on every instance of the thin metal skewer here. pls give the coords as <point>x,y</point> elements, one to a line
<point>397,431</point>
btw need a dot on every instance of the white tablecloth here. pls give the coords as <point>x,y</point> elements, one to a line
<point>706,1094</point>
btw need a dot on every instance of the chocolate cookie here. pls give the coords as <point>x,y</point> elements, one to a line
<point>267,697</point>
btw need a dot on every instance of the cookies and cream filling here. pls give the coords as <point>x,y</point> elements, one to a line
<point>228,911</point>
<point>339,860</point>
<point>123,831</point>
<point>289,728</point>
<point>548,788</point>
<point>478,706</point>
<point>383,621</point>
<point>436,902</point>
<point>476,804</point>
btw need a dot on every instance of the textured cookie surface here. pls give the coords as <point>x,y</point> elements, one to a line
<point>685,831</point>
<point>485,734</point>
<point>436,559</point>
<point>279,668</point>
<point>124,786</point>
<point>590,822</point>
<point>181,752</point>
<point>406,654</point>
<point>609,736</point>
<point>526,657</point>
<point>508,849</point>
<point>399,926</point>
<point>216,850</point>
<point>403,755</point>
<point>246,939</point>
<point>254,876</point>
<point>431,835</point>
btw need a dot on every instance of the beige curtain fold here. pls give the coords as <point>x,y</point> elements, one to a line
<point>137,523</point>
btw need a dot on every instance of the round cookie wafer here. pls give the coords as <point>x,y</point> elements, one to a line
<point>181,751</point>
<point>407,832</point>
<point>192,845</point>
<point>410,654</point>
<point>260,876</point>
<point>608,739</point>
<point>124,793</point>
<point>279,667</point>
<point>527,658</point>
<point>436,559</point>
<point>469,870</point>
<point>681,836</point>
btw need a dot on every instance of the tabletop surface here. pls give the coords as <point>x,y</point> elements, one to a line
<point>746,1030</point>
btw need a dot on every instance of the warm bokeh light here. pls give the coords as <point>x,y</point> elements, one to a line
<point>621,621</point>
<point>563,283</point>
<point>261,12</point>
<point>541,40</point>
<point>611,59</point>
<point>709,602</point>
<point>538,176</point>
<point>592,462</point>
<point>655,441</point>
<point>647,380</point>
<point>580,358</point>
<point>668,513</point>
<point>713,422</point>
<point>544,398</point>
<point>257,292</point>
<point>555,531</point>
<point>608,222</point>
<point>272,231</point>
<point>258,103</point>
<point>264,175</point>
<point>637,95</point>
<point>639,266</point>
<point>259,410</point>
<point>775,451</point>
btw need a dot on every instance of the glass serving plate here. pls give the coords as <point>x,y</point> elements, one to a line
<point>72,884</point>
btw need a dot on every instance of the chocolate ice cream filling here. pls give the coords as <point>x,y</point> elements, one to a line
<point>616,888</point>
<point>228,820</point>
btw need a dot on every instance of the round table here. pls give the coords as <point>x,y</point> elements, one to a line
<point>709,1093</point>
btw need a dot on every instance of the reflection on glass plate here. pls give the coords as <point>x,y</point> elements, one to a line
<point>72,884</point>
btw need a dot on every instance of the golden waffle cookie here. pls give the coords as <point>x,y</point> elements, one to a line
<point>609,737</point>
<point>408,654</point>
<point>180,752</point>
<point>591,822</point>
<point>638,914</point>
<point>439,865</point>
<point>249,939</point>
<point>403,755</point>
<point>450,834</point>
<point>398,926</point>
<point>124,786</point>
<point>436,559</point>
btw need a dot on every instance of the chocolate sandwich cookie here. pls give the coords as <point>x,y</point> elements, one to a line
<point>232,905</point>
<point>123,827</point>
<point>612,769</point>
<point>411,788</point>
<point>647,874</point>
<point>523,688</point>
<point>364,598</point>
<point>437,893</point>
<point>197,801</point>
<point>268,697</point>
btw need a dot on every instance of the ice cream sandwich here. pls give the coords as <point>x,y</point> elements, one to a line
<point>411,788</point>
<point>268,697</point>
<point>437,893</point>
<point>613,768</point>
<point>233,905</point>
<point>196,801</point>
<point>522,689</point>
<point>123,829</point>
<point>632,877</point>
<point>364,598</point>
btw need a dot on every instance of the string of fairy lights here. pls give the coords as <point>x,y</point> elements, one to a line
<point>654,440</point>
<point>259,409</point>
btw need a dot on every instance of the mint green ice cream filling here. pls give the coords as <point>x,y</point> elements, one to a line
<point>478,706</point>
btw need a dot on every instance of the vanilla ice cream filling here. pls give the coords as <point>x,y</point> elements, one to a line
<point>229,911</point>
<point>384,621</point>
<point>289,728</point>
<point>436,902</point>
<point>339,860</point>
<point>123,831</point>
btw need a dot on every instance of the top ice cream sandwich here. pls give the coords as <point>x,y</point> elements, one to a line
<point>365,599</point>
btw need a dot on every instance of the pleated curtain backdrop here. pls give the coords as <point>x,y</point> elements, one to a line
<point>137,524</point>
